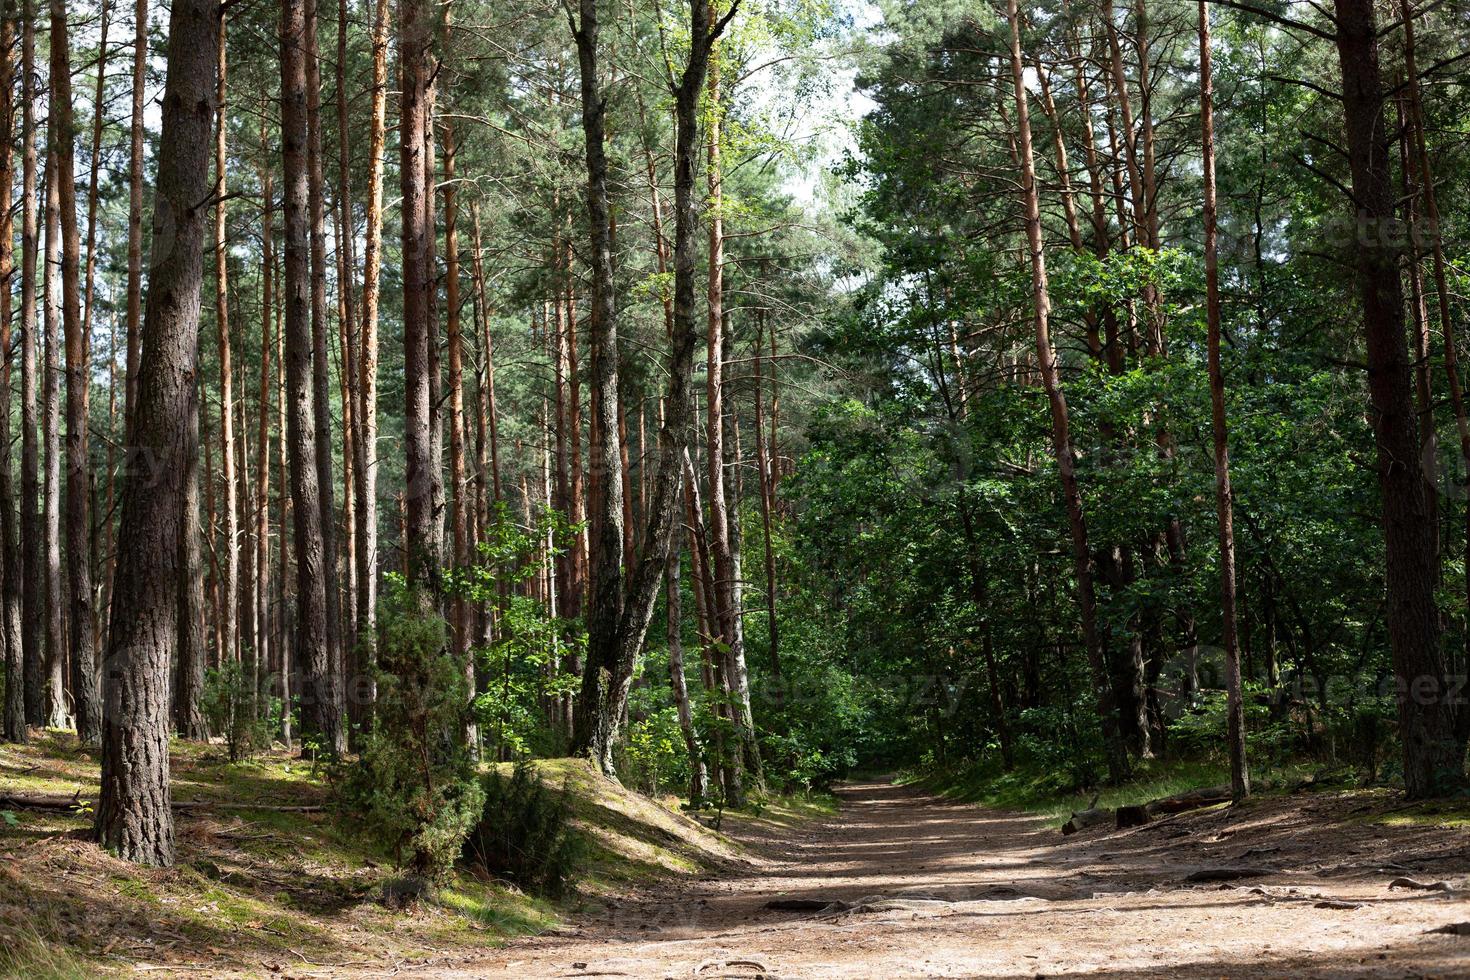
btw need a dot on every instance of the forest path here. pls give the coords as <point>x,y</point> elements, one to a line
<point>1019,900</point>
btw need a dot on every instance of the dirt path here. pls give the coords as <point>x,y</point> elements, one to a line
<point>1015,899</point>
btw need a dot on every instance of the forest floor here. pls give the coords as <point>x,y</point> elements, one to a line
<point>941,888</point>
<point>271,882</point>
<point>972,892</point>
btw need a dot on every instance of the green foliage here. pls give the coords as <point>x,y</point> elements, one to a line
<point>232,708</point>
<point>524,833</point>
<point>523,669</point>
<point>414,783</point>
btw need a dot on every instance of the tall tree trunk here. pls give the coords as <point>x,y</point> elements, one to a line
<point>62,139</point>
<point>1434,751</point>
<point>721,550</point>
<point>1420,153</point>
<point>319,715</point>
<point>366,446</point>
<point>33,623</point>
<point>1060,424</point>
<point>230,567</point>
<point>767,488</point>
<point>188,685</point>
<point>102,590</point>
<point>262,438</point>
<point>285,643</point>
<point>459,495</point>
<point>349,370</point>
<point>326,686</point>
<point>609,674</point>
<point>14,728</point>
<point>51,323</point>
<point>421,545</point>
<point>489,414</point>
<point>134,820</point>
<point>135,214</point>
<point>1240,784</point>
<point>606,517</point>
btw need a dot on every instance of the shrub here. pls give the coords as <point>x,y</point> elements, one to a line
<point>232,708</point>
<point>525,834</point>
<point>414,783</point>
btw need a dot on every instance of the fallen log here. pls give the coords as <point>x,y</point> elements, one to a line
<point>1195,799</point>
<point>20,801</point>
<point>1424,886</point>
<point>1082,819</point>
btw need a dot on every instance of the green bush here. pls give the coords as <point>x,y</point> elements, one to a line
<point>233,708</point>
<point>414,784</point>
<point>525,834</point>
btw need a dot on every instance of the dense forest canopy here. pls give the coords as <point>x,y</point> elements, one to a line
<point>736,393</point>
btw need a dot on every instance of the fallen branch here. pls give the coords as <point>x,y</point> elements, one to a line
<point>17,801</point>
<point>1423,886</point>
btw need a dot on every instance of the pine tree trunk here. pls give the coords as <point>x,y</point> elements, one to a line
<point>134,820</point>
<point>33,624</point>
<point>188,685</point>
<point>1420,153</point>
<point>263,644</point>
<point>14,727</point>
<point>230,567</point>
<point>714,392</point>
<point>1240,785</point>
<point>57,715</point>
<point>350,376</point>
<point>459,494</point>
<point>1060,424</point>
<point>606,684</point>
<point>421,544</point>
<point>320,718</point>
<point>324,685</point>
<point>1433,747</point>
<point>135,215</point>
<point>607,584</point>
<point>366,446</point>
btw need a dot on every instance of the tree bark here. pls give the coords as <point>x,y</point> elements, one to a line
<point>57,715</point>
<point>325,685</point>
<point>1240,785</point>
<point>1060,424</point>
<point>230,567</point>
<point>134,818</point>
<point>33,625</point>
<point>262,439</point>
<point>366,446</point>
<point>459,496</point>
<point>135,215</point>
<point>14,728</point>
<point>1434,751</point>
<point>319,715</point>
<point>609,675</point>
<point>421,544</point>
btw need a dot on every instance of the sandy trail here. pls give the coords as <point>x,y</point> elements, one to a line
<point>1019,900</point>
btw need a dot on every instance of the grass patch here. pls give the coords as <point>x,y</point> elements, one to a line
<point>1037,791</point>
<point>1440,814</point>
<point>25,954</point>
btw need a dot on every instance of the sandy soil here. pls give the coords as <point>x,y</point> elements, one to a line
<point>1016,899</point>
